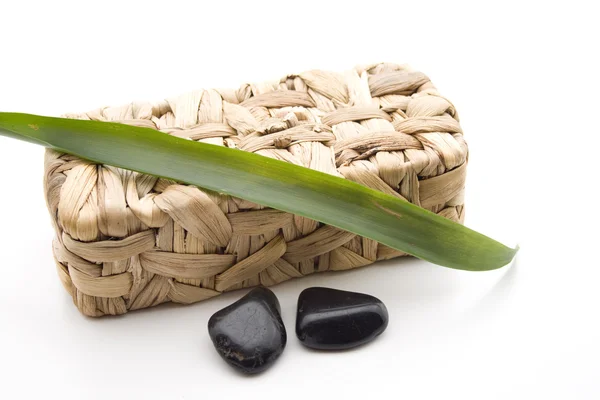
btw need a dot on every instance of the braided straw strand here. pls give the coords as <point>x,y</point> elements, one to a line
<point>126,241</point>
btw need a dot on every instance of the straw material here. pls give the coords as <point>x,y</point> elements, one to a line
<point>127,241</point>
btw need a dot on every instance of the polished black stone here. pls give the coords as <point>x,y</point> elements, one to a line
<point>330,319</point>
<point>249,334</point>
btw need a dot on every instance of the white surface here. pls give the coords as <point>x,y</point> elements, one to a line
<point>524,78</point>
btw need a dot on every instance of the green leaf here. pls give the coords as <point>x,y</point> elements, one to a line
<point>302,191</point>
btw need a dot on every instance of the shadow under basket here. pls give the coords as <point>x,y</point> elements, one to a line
<point>127,241</point>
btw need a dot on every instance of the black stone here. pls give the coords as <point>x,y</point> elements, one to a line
<point>330,319</point>
<point>249,334</point>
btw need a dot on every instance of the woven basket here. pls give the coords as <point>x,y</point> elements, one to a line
<point>127,241</point>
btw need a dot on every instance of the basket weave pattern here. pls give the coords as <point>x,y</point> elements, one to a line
<point>127,241</point>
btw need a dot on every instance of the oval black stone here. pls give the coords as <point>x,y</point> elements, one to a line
<point>249,334</point>
<point>330,319</point>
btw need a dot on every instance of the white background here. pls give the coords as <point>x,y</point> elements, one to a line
<point>524,77</point>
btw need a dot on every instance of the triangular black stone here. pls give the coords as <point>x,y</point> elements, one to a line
<point>249,334</point>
